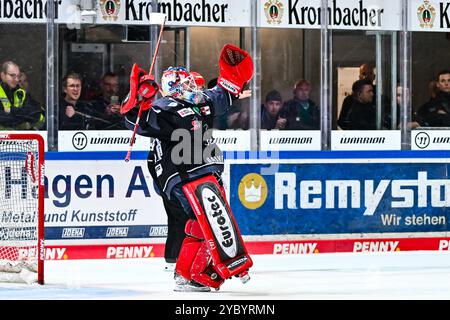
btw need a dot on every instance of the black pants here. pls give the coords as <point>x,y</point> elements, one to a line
<point>176,221</point>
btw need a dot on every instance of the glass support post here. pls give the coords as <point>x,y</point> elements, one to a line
<point>325,76</point>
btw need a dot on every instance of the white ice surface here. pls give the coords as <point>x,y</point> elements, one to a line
<point>397,275</point>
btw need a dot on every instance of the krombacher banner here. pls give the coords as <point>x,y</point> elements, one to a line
<point>132,12</point>
<point>342,14</point>
<point>424,15</point>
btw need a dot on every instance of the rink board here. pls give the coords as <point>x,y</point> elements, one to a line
<point>99,207</point>
<point>295,247</point>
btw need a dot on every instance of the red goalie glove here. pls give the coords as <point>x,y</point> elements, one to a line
<point>236,69</point>
<point>143,89</point>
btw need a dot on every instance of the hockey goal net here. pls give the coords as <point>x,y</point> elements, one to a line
<point>21,208</point>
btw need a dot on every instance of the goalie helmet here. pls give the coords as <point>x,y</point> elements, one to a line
<point>177,82</point>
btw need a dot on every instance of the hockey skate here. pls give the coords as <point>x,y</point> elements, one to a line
<point>184,285</point>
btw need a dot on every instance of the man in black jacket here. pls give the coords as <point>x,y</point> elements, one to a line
<point>362,113</point>
<point>436,112</point>
<point>74,114</point>
<point>301,112</point>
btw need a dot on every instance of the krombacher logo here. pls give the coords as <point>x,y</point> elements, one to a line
<point>338,14</point>
<point>26,9</point>
<point>177,10</point>
<point>110,9</point>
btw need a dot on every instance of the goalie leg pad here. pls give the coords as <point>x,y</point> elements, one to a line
<point>219,228</point>
<point>194,263</point>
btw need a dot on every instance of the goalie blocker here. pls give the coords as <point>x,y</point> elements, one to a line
<point>214,236</point>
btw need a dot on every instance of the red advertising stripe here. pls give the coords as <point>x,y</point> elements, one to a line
<point>104,251</point>
<point>153,250</point>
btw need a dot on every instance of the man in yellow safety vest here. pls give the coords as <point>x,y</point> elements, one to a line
<point>18,111</point>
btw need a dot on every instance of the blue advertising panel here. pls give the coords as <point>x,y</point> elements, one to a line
<point>100,197</point>
<point>341,197</point>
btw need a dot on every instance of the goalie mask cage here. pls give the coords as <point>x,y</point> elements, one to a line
<point>21,208</point>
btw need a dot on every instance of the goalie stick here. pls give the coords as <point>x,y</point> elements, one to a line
<point>127,158</point>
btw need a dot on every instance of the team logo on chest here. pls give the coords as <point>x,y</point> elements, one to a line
<point>205,110</point>
<point>185,112</point>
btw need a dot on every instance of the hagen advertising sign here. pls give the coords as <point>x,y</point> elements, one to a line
<point>101,200</point>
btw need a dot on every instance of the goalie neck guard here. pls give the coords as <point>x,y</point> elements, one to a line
<point>177,82</point>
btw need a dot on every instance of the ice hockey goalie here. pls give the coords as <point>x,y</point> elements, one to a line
<point>212,250</point>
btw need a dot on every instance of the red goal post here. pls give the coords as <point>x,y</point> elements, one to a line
<point>22,207</point>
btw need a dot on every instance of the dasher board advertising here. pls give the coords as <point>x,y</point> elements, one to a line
<point>101,201</point>
<point>365,140</point>
<point>119,140</point>
<point>430,139</point>
<point>341,196</point>
<point>273,140</point>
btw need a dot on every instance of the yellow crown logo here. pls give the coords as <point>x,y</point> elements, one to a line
<point>252,191</point>
<point>252,194</point>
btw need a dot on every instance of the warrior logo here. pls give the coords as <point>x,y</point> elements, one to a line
<point>426,14</point>
<point>274,11</point>
<point>110,9</point>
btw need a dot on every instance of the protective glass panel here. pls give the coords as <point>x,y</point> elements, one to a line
<point>205,46</point>
<point>430,85</point>
<point>364,82</point>
<point>290,89</point>
<point>93,76</point>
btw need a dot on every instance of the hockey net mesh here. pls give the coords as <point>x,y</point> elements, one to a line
<point>19,165</point>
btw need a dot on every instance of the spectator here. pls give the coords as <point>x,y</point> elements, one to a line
<point>107,104</point>
<point>73,113</point>
<point>362,113</point>
<point>433,89</point>
<point>270,112</point>
<point>414,122</point>
<point>366,72</point>
<point>23,81</point>
<point>19,111</point>
<point>344,115</point>
<point>301,112</point>
<point>436,112</point>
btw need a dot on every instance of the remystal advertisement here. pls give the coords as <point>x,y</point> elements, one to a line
<point>361,196</point>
